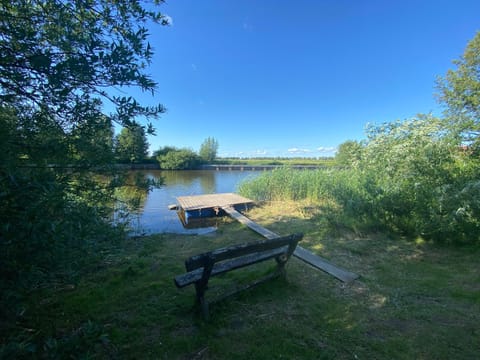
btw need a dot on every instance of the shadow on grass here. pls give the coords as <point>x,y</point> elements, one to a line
<point>413,300</point>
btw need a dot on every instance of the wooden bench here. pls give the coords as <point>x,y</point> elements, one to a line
<point>200,268</point>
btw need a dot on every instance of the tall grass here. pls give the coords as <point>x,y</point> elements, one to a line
<point>342,193</point>
<point>312,185</point>
<point>366,200</point>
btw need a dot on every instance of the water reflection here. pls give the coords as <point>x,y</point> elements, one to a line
<point>130,198</point>
<point>154,216</point>
<point>207,182</point>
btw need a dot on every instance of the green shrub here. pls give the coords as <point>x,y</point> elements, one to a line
<point>178,159</point>
<point>420,174</point>
<point>410,178</point>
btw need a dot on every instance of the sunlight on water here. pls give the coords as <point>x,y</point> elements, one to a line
<point>155,217</point>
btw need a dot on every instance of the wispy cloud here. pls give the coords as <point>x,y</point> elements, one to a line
<point>299,151</point>
<point>194,67</point>
<point>260,152</point>
<point>293,151</point>
<point>327,149</point>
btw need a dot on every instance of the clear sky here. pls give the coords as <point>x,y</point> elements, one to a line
<point>298,78</point>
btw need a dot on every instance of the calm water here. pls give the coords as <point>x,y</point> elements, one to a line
<point>155,217</point>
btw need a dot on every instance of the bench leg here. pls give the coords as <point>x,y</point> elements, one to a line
<point>204,307</point>
<point>201,300</point>
<point>201,285</point>
<point>281,261</point>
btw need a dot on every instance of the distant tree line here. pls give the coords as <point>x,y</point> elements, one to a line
<point>172,158</point>
<point>131,146</point>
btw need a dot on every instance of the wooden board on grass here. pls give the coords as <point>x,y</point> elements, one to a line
<point>300,252</point>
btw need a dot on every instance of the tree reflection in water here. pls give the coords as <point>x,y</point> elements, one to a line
<point>150,214</point>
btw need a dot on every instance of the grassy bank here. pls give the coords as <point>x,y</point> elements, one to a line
<point>413,300</point>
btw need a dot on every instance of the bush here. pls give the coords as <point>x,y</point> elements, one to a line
<point>410,178</point>
<point>419,174</point>
<point>178,159</point>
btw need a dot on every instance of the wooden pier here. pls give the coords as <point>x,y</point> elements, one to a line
<point>229,204</point>
<point>208,206</point>
<point>212,201</point>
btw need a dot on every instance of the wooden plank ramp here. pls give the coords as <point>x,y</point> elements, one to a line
<point>251,224</point>
<point>300,252</point>
<point>322,264</point>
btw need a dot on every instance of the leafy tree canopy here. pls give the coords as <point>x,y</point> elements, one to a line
<point>131,144</point>
<point>178,159</point>
<point>59,61</point>
<point>460,92</point>
<point>208,149</point>
<point>60,58</point>
<point>419,181</point>
<point>164,150</point>
<point>348,153</point>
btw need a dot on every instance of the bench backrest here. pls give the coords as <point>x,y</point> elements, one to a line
<point>235,251</point>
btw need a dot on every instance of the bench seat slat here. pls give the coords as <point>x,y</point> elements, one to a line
<point>231,252</point>
<point>225,266</point>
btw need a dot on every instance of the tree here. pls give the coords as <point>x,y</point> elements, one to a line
<point>60,57</point>
<point>164,151</point>
<point>418,181</point>
<point>61,62</point>
<point>460,92</point>
<point>348,153</point>
<point>208,149</point>
<point>131,144</point>
<point>93,141</point>
<point>178,159</point>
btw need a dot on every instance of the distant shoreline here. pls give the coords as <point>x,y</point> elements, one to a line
<point>244,164</point>
<point>222,167</point>
<point>218,167</point>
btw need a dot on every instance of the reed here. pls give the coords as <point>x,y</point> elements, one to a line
<point>292,184</point>
<point>344,194</point>
<point>279,184</point>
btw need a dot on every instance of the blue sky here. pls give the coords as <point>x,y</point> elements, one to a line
<point>298,78</point>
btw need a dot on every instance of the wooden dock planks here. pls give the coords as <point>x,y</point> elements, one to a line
<point>300,252</point>
<point>209,201</point>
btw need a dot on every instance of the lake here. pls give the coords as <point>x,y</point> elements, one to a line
<point>155,217</point>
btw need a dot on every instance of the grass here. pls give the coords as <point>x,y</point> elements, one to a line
<point>413,300</point>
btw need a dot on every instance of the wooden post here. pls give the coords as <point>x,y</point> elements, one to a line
<point>201,285</point>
